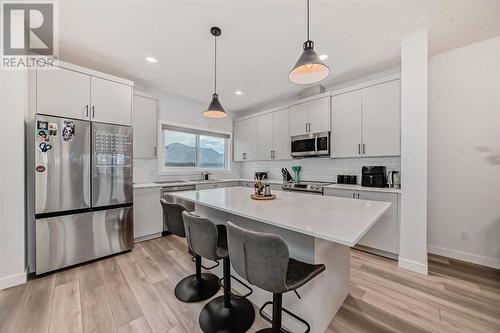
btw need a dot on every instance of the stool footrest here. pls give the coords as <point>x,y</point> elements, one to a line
<point>240,282</point>
<point>291,314</point>
<point>193,259</point>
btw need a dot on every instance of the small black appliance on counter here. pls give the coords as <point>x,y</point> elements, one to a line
<point>373,176</point>
<point>347,179</point>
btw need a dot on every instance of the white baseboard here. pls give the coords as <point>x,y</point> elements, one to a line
<point>12,280</point>
<point>147,237</point>
<point>464,256</point>
<point>413,266</point>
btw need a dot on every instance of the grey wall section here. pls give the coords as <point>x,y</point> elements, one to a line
<point>13,97</point>
<point>464,152</point>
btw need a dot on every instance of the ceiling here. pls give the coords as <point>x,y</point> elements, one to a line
<point>260,42</point>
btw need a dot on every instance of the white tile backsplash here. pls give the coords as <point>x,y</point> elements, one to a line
<point>314,169</point>
<point>317,169</point>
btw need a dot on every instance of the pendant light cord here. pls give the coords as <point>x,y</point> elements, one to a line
<point>215,66</point>
<point>307,19</point>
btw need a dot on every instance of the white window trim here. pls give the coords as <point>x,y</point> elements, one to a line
<point>163,170</point>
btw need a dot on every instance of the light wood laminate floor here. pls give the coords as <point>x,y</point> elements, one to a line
<point>133,292</point>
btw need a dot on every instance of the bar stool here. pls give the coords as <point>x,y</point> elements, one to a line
<point>228,313</point>
<point>199,286</point>
<point>263,260</point>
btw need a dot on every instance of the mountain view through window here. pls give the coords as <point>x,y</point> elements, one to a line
<point>185,149</point>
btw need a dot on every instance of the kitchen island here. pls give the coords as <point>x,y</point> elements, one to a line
<point>317,229</point>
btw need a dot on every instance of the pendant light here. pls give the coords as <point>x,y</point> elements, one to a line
<point>309,68</point>
<point>215,109</point>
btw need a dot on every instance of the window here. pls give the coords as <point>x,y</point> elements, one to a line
<point>186,149</point>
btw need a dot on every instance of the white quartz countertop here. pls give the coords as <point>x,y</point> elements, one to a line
<point>197,182</point>
<point>339,220</point>
<point>180,183</point>
<point>362,188</point>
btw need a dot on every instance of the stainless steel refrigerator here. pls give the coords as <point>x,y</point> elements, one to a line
<point>83,196</point>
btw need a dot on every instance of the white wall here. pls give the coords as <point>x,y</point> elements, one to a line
<point>178,109</point>
<point>464,153</point>
<point>13,97</point>
<point>414,122</point>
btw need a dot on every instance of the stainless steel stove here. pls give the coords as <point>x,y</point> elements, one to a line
<point>305,186</point>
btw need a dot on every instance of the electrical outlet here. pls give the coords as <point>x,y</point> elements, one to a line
<point>464,234</point>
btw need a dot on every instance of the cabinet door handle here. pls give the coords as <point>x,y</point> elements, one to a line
<point>93,111</point>
<point>86,111</point>
<point>353,195</point>
<point>309,127</point>
<point>154,151</point>
<point>306,127</point>
<point>359,148</point>
<point>363,148</point>
<point>358,195</point>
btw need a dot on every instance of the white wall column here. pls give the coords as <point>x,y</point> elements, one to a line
<point>414,124</point>
<point>13,94</point>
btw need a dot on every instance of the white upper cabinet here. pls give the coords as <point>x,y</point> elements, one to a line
<point>245,139</point>
<point>63,92</point>
<point>381,120</point>
<point>346,125</point>
<point>273,136</point>
<point>281,150</point>
<point>81,93</point>
<point>265,136</point>
<point>366,122</point>
<point>111,102</point>
<point>319,115</point>
<point>144,123</point>
<point>299,119</point>
<point>310,117</point>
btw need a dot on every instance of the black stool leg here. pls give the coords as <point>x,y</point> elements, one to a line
<point>276,321</point>
<point>277,307</point>
<point>227,313</point>
<point>197,287</point>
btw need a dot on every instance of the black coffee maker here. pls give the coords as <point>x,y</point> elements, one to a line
<point>373,176</point>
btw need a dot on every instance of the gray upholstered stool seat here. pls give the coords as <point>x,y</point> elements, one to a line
<point>299,273</point>
<point>199,286</point>
<point>263,260</point>
<point>227,313</point>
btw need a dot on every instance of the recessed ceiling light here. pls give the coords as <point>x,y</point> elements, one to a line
<point>323,56</point>
<point>152,60</point>
<point>238,92</point>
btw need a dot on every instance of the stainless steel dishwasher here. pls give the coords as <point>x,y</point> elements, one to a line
<point>165,194</point>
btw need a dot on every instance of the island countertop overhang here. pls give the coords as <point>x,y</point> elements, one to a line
<point>340,220</point>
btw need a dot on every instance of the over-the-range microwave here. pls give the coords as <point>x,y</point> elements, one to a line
<point>310,145</point>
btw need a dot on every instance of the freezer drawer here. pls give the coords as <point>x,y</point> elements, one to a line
<point>71,239</point>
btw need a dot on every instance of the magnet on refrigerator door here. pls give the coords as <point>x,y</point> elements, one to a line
<point>68,131</point>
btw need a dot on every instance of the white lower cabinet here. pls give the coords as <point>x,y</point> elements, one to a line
<point>384,235</point>
<point>148,215</point>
